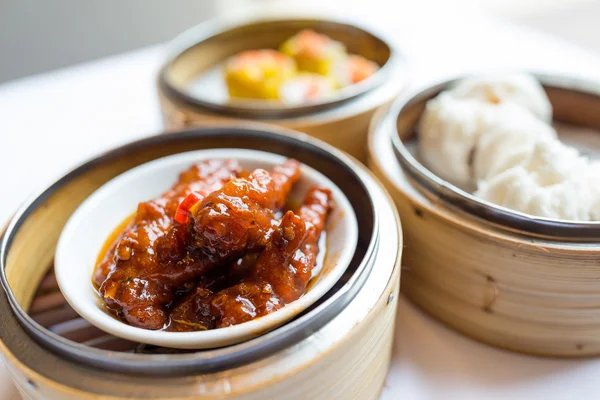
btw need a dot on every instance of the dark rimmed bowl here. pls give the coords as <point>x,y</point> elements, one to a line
<point>28,242</point>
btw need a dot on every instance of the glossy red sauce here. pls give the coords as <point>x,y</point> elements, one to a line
<point>237,257</point>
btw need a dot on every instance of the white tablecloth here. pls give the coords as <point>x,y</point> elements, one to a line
<point>51,122</point>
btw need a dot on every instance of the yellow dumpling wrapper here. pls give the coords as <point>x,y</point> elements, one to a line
<point>319,54</point>
<point>258,74</point>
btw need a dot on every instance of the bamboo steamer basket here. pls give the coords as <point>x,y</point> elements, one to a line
<point>342,122</point>
<point>338,349</point>
<point>524,284</point>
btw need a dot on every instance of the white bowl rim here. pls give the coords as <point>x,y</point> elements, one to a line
<point>215,337</point>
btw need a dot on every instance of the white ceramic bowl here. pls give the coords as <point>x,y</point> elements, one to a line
<point>96,218</point>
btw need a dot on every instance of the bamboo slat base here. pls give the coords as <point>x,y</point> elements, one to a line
<point>355,369</point>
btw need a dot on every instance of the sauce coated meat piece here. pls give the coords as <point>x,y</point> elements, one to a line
<point>193,312</point>
<point>228,261</point>
<point>201,177</point>
<point>138,285</point>
<point>240,216</point>
<point>162,258</point>
<point>283,269</point>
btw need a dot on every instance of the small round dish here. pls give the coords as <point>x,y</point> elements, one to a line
<point>91,224</point>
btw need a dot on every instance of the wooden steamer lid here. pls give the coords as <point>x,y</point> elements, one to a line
<point>523,284</point>
<point>342,122</point>
<point>340,348</point>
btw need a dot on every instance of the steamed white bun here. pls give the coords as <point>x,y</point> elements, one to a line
<point>593,181</point>
<point>552,162</point>
<point>508,143</point>
<point>493,134</point>
<point>451,128</point>
<point>517,190</point>
<point>552,182</point>
<point>520,89</point>
<point>448,131</point>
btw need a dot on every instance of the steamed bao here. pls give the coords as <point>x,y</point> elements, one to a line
<point>491,135</point>
<point>552,181</point>
<point>452,129</point>
<point>520,89</point>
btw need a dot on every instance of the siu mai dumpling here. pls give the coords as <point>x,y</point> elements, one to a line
<point>258,74</point>
<point>361,68</point>
<point>319,54</point>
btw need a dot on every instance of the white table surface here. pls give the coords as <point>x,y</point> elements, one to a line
<point>51,122</point>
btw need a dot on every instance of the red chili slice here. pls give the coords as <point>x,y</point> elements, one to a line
<point>181,215</point>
